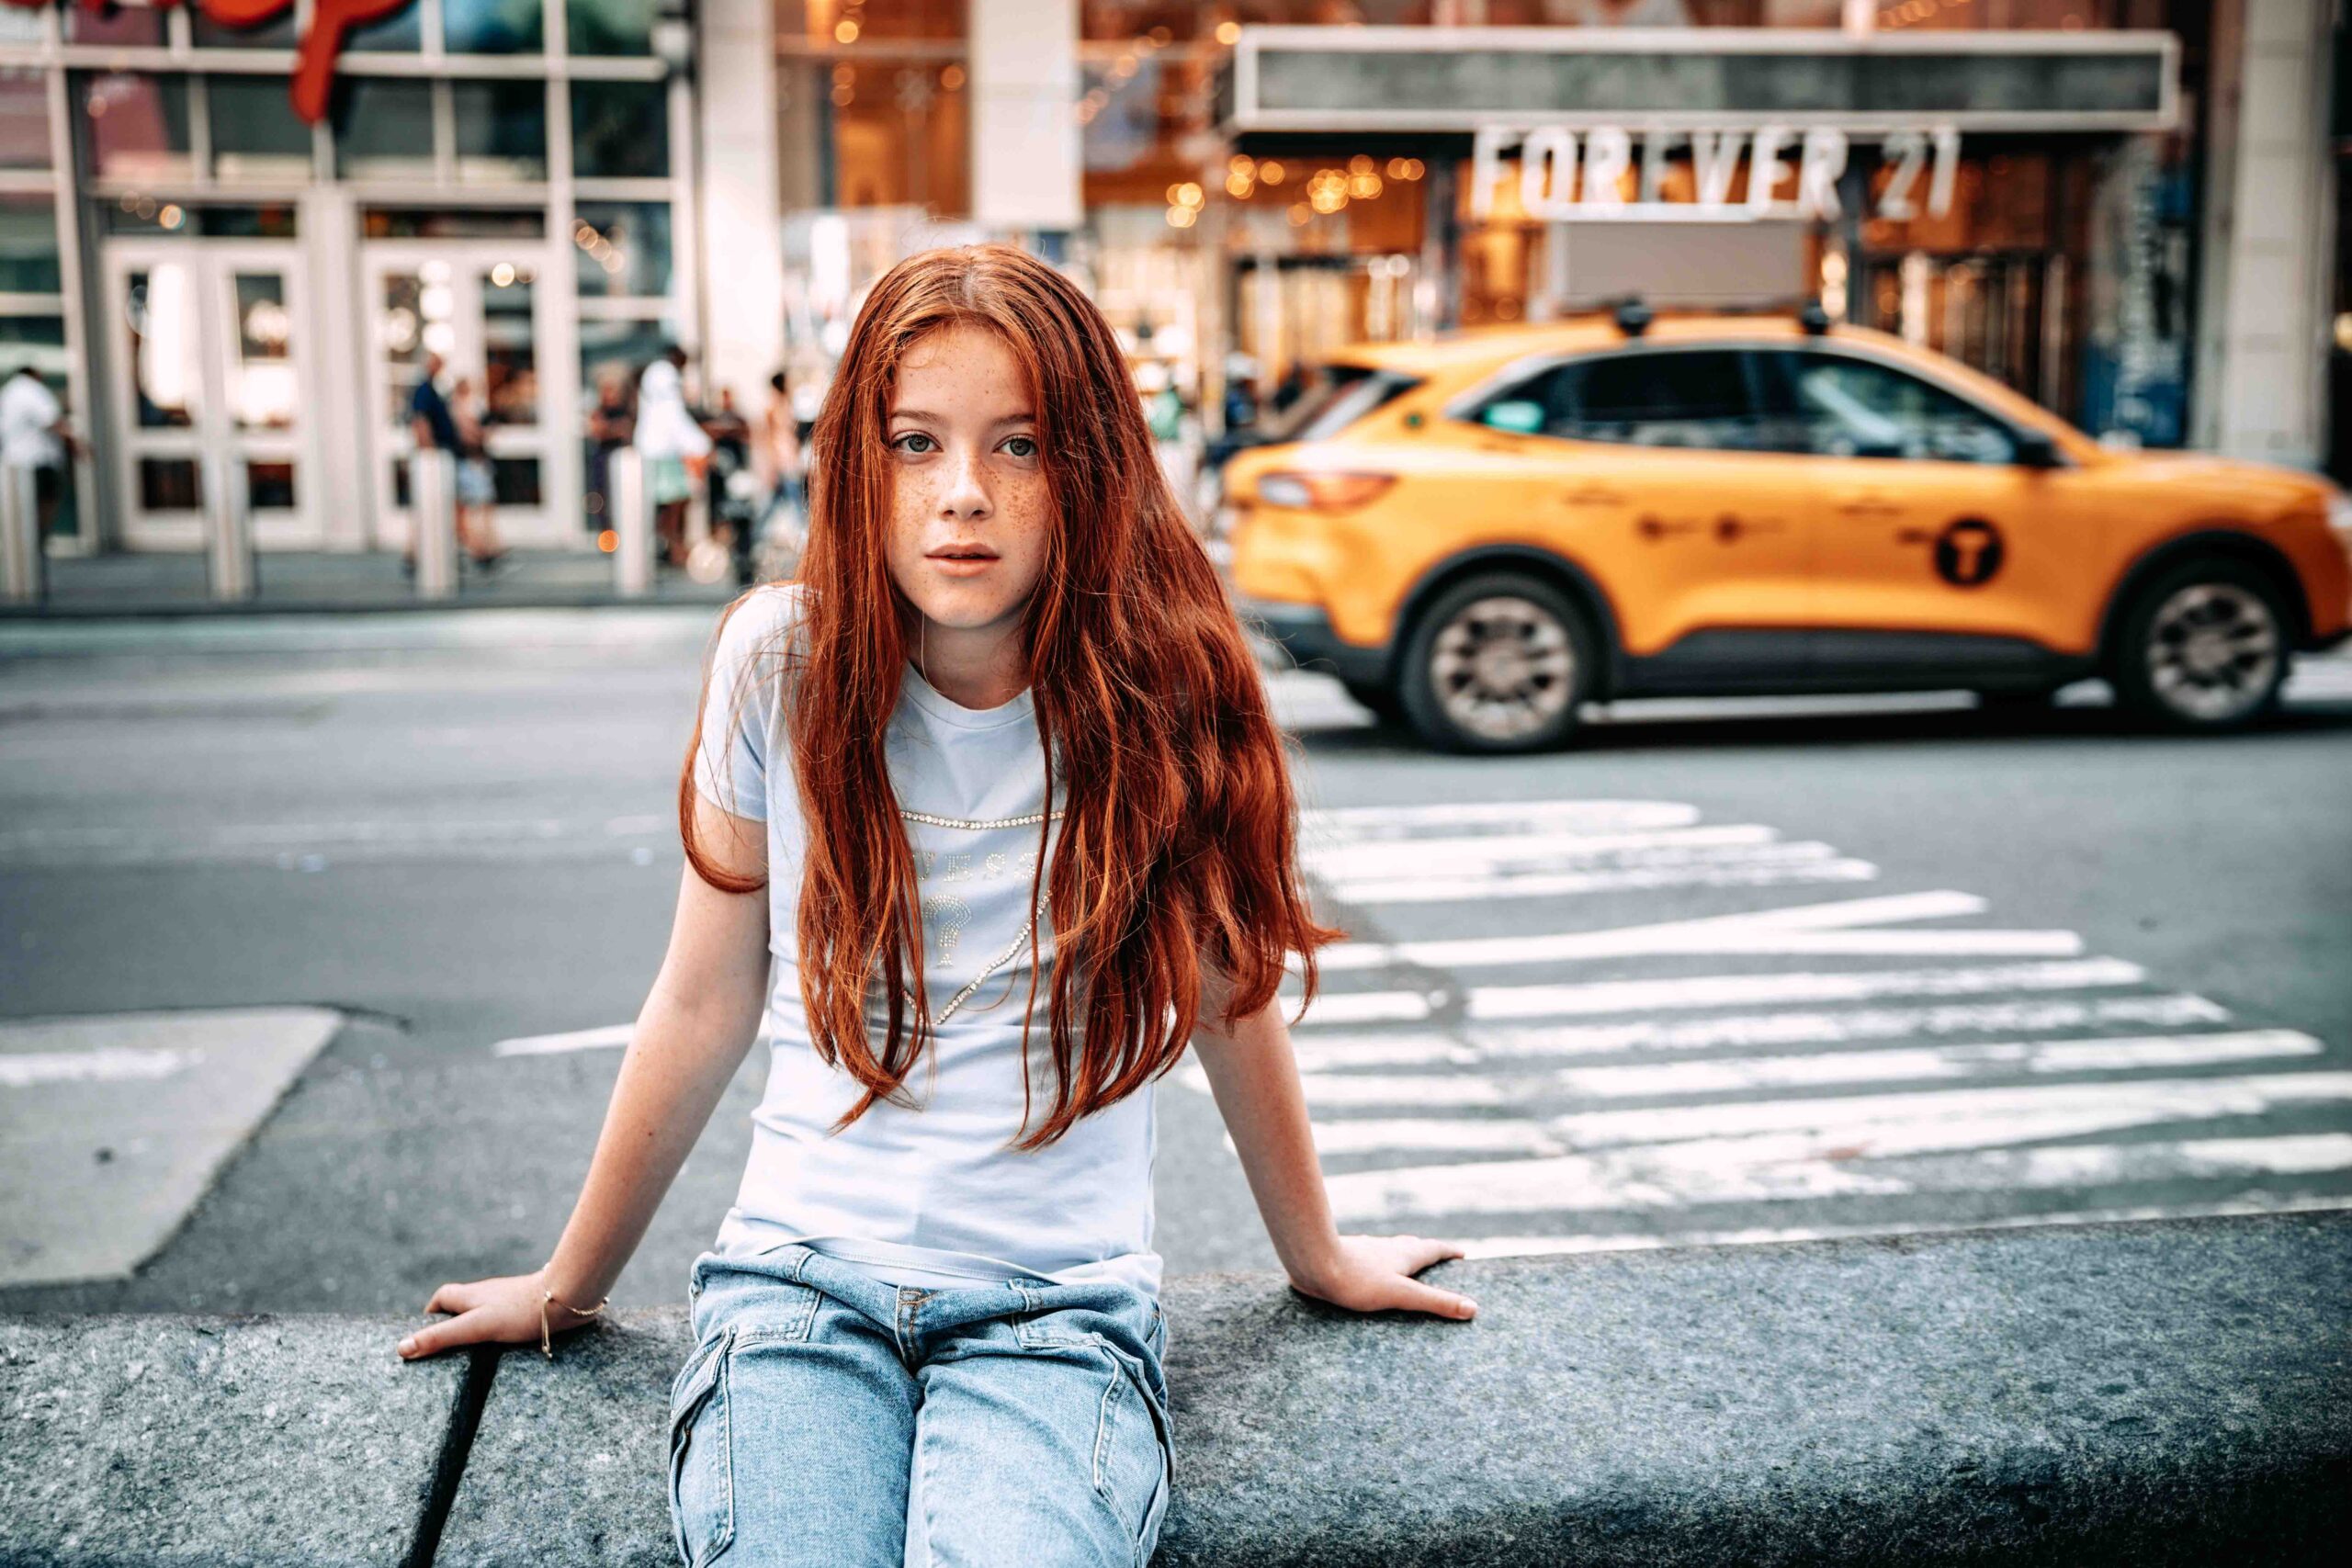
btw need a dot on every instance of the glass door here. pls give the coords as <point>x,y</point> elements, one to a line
<point>212,379</point>
<point>480,309</point>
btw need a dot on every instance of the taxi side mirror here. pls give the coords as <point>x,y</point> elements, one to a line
<point>2036,449</point>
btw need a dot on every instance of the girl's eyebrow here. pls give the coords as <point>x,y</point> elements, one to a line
<point>1023,417</point>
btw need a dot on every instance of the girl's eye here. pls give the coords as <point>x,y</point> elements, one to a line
<point>914,435</point>
<point>1028,441</point>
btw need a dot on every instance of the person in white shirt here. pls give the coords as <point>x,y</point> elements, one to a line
<point>33,435</point>
<point>987,821</point>
<point>673,445</point>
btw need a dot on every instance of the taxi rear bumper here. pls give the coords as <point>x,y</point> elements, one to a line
<point>1306,634</point>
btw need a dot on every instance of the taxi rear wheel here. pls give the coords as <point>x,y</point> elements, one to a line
<point>1499,663</point>
<point>2205,648</point>
<point>1380,699</point>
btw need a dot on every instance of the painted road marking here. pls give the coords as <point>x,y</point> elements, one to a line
<point>1693,991</point>
<point>1812,930</point>
<point>108,1063</point>
<point>1763,868</point>
<point>1683,1174</point>
<point>99,1163</point>
<point>605,1037</point>
<point>2008,1058</point>
<point>2254,1202</point>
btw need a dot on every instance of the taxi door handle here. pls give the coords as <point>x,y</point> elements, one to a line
<point>1594,495</point>
<point>1867,503</point>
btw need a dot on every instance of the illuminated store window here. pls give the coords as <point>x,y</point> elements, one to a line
<point>847,22</point>
<point>28,244</point>
<point>493,26</point>
<point>273,32</point>
<point>623,249</point>
<point>609,27</point>
<point>501,129</point>
<point>23,118</point>
<point>620,130</point>
<point>402,32</point>
<point>134,125</point>
<point>255,132</point>
<point>384,129</point>
<point>132,27</point>
<point>878,132</point>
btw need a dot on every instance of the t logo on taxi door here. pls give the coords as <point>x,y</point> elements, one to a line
<point>1968,552</point>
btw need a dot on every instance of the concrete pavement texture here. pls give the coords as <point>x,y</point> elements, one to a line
<point>2174,1392</point>
<point>136,1115</point>
<point>220,1441</point>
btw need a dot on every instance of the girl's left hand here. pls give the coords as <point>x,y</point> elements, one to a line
<point>1371,1273</point>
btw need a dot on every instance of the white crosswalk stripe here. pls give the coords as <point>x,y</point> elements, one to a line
<point>1488,1061</point>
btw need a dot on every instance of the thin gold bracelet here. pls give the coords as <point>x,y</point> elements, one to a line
<point>547,1342</point>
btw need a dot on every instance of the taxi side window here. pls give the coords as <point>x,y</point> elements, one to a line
<point>1835,406</point>
<point>1692,399</point>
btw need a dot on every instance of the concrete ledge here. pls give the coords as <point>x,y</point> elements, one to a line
<point>131,1438</point>
<point>2174,1392</point>
<point>571,1461</point>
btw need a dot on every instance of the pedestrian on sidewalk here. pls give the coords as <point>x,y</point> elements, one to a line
<point>477,491</point>
<point>433,426</point>
<point>668,439</point>
<point>34,435</point>
<point>1001,748</point>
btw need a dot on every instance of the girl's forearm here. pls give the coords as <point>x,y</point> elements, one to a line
<point>1254,1078</point>
<point>681,1058</point>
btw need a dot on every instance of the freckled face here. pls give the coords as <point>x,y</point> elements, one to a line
<point>969,511</point>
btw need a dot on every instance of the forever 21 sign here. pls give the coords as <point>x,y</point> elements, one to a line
<point>331,22</point>
<point>1921,164</point>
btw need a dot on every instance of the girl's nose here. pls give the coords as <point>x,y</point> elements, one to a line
<point>966,495</point>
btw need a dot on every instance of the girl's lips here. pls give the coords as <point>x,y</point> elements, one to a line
<point>962,566</point>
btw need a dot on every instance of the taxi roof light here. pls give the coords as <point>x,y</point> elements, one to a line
<point>1322,491</point>
<point>1634,316</point>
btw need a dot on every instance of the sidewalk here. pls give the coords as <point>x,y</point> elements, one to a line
<point>146,583</point>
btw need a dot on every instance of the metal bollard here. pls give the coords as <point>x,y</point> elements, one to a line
<point>24,565</point>
<point>229,531</point>
<point>630,503</point>
<point>433,516</point>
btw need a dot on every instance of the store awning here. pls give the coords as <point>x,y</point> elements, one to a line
<point>1405,81</point>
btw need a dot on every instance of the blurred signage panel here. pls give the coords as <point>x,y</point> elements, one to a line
<point>1792,172</point>
<point>332,21</point>
<point>1391,79</point>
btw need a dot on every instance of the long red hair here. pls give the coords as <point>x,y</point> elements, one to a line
<point>1179,840</point>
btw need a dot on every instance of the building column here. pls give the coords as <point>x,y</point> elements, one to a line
<point>1025,156</point>
<point>741,252</point>
<point>2263,288</point>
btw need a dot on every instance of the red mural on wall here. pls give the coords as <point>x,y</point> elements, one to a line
<point>331,22</point>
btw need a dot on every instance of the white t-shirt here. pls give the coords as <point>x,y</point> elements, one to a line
<point>29,411</point>
<point>930,1196</point>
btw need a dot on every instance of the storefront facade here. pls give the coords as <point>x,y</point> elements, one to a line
<point>2118,206</point>
<point>237,302</point>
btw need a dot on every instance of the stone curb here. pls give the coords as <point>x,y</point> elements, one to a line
<point>152,1438</point>
<point>2167,1392</point>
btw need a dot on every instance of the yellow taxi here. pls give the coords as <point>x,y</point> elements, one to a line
<point>1481,533</point>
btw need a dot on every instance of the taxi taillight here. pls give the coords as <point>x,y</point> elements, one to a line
<point>1321,492</point>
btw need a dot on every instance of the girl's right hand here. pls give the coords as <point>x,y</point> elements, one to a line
<point>505,1310</point>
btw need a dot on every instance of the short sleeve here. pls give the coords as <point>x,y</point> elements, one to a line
<point>742,704</point>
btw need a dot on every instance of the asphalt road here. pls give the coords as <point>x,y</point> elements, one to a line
<point>1729,970</point>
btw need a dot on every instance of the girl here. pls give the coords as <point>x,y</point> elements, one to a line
<point>930,1326</point>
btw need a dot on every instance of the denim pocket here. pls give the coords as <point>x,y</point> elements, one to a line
<point>1133,1458</point>
<point>702,1465</point>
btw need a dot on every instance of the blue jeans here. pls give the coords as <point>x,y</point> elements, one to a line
<point>826,1417</point>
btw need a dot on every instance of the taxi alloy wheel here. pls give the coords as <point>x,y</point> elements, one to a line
<point>2207,649</point>
<point>1499,663</point>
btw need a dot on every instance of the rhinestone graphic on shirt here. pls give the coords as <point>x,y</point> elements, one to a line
<point>946,914</point>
